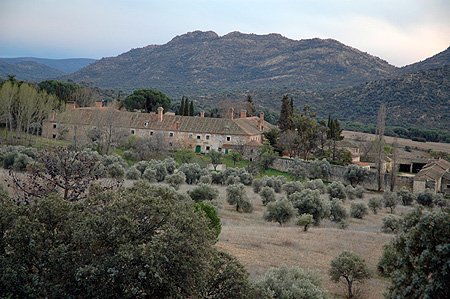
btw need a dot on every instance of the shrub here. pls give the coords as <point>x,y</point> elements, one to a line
<point>359,191</point>
<point>355,174</point>
<point>375,204</point>
<point>359,210</point>
<point>292,187</point>
<point>390,200</point>
<point>337,210</point>
<point>336,190</point>
<point>405,196</point>
<point>142,166</point>
<point>316,184</point>
<point>21,161</point>
<point>244,177</point>
<point>276,182</point>
<point>440,201</point>
<point>129,155</point>
<point>232,180</point>
<point>391,224</point>
<point>176,179</point>
<point>267,194</point>
<point>319,169</point>
<point>387,261</point>
<point>211,213</point>
<point>193,172</point>
<point>133,173</point>
<point>350,191</point>
<point>203,192</point>
<point>425,198</point>
<point>280,211</point>
<point>236,195</point>
<point>170,165</point>
<point>298,169</point>
<point>205,179</point>
<point>149,175</point>
<point>216,177</point>
<point>305,220</point>
<point>294,282</point>
<point>116,171</point>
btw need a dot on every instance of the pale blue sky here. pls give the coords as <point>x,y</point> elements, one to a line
<point>399,31</point>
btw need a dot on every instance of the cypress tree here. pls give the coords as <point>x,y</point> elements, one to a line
<point>181,109</point>
<point>191,109</point>
<point>251,110</point>
<point>186,107</point>
<point>285,120</point>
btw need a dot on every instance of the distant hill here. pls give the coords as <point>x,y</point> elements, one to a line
<point>69,65</point>
<point>200,61</point>
<point>29,71</point>
<point>436,61</point>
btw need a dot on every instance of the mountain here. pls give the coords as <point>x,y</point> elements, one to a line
<point>436,61</point>
<point>29,71</point>
<point>69,65</point>
<point>199,61</point>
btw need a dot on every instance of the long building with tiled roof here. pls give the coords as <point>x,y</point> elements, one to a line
<point>199,133</point>
<point>434,176</point>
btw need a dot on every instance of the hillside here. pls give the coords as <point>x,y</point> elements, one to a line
<point>436,61</point>
<point>199,61</point>
<point>28,71</point>
<point>69,65</point>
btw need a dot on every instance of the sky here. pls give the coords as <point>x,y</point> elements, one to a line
<point>399,31</point>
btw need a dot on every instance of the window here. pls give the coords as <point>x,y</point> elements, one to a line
<point>219,149</point>
<point>208,148</point>
<point>170,144</point>
<point>151,133</point>
<point>199,137</point>
<point>146,124</point>
<point>54,136</point>
<point>228,138</point>
<point>207,137</point>
<point>132,132</point>
<point>191,135</point>
<point>448,186</point>
<point>54,126</point>
<point>171,134</point>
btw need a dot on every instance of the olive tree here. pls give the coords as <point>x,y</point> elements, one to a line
<point>203,192</point>
<point>236,195</point>
<point>350,268</point>
<point>309,201</point>
<point>359,210</point>
<point>390,200</point>
<point>280,211</point>
<point>356,174</point>
<point>336,190</point>
<point>267,194</point>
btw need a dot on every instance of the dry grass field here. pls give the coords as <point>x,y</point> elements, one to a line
<point>260,245</point>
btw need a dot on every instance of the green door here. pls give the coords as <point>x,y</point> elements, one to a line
<point>198,148</point>
<point>226,151</point>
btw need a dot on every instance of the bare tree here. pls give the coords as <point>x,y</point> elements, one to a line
<point>381,125</point>
<point>394,169</point>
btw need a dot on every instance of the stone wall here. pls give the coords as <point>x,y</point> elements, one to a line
<point>337,174</point>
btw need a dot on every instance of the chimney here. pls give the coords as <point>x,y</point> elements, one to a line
<point>160,113</point>
<point>177,125</point>
<point>202,114</point>
<point>231,113</point>
<point>260,126</point>
<point>70,106</point>
<point>243,113</point>
<point>99,104</point>
<point>261,116</point>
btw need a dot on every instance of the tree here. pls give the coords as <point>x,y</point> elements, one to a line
<point>422,251</point>
<point>266,155</point>
<point>356,174</point>
<point>60,171</point>
<point>191,109</point>
<point>307,130</point>
<point>391,223</point>
<point>305,220</point>
<point>236,195</point>
<point>390,200</point>
<point>280,211</point>
<point>334,133</point>
<point>425,198</point>
<point>63,90</point>
<point>309,201</point>
<point>338,212</point>
<point>84,97</point>
<point>211,213</point>
<point>359,210</point>
<point>292,282</point>
<point>251,109</point>
<point>235,157</point>
<point>285,119</point>
<point>375,204</point>
<point>336,190</point>
<point>147,100</point>
<point>180,111</point>
<point>267,194</point>
<point>186,107</point>
<point>216,158</point>
<point>319,169</point>
<point>405,196</point>
<point>138,242</point>
<point>381,126</point>
<point>351,268</point>
<point>203,192</point>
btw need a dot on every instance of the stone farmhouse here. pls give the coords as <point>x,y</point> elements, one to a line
<point>434,176</point>
<point>198,133</point>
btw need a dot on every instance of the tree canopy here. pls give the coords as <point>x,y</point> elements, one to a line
<point>147,100</point>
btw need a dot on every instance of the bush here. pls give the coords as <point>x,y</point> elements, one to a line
<point>305,220</point>
<point>170,165</point>
<point>359,210</point>
<point>387,261</point>
<point>203,192</point>
<point>405,196</point>
<point>390,200</point>
<point>232,180</point>
<point>336,190</point>
<point>391,224</point>
<point>356,174</point>
<point>129,155</point>
<point>292,187</point>
<point>425,198</point>
<point>316,184</point>
<point>298,169</point>
<point>375,204</point>
<point>193,172</point>
<point>337,210</point>
<point>236,195</point>
<point>309,202</point>
<point>350,192</point>
<point>280,211</point>
<point>21,161</point>
<point>133,173</point>
<point>440,201</point>
<point>205,179</point>
<point>142,166</point>
<point>176,179</point>
<point>244,177</point>
<point>149,175</point>
<point>211,213</point>
<point>359,191</point>
<point>319,169</point>
<point>267,194</point>
<point>275,182</point>
<point>116,171</point>
<point>294,282</point>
